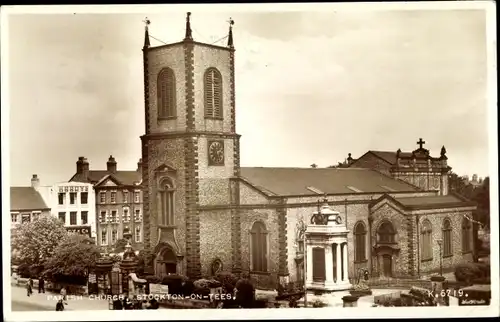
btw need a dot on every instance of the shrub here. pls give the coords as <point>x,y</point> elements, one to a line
<point>24,270</point>
<point>472,271</point>
<point>361,286</point>
<point>228,281</point>
<point>245,295</point>
<point>318,303</point>
<point>174,283</point>
<point>484,280</point>
<point>188,288</point>
<point>484,268</point>
<point>466,272</point>
<point>153,279</point>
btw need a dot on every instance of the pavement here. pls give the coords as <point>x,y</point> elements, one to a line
<point>47,301</point>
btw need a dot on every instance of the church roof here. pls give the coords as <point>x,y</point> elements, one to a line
<point>296,181</point>
<point>127,178</point>
<point>26,198</point>
<point>430,202</point>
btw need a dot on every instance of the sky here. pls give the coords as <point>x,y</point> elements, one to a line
<point>311,87</point>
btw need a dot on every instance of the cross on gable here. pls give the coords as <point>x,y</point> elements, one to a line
<point>421,143</point>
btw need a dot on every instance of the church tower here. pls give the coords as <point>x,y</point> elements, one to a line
<point>190,150</point>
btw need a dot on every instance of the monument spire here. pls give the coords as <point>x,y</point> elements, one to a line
<point>146,33</point>
<point>230,43</point>
<point>189,35</point>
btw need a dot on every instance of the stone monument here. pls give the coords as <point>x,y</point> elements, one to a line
<point>327,275</point>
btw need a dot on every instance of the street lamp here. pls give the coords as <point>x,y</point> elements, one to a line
<point>440,243</point>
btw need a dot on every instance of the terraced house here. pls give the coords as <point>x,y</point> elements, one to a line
<point>26,203</point>
<point>204,212</point>
<point>118,202</point>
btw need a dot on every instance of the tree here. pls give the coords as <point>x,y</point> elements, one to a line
<point>36,241</point>
<point>120,245</point>
<point>457,184</point>
<point>74,256</point>
<point>144,262</point>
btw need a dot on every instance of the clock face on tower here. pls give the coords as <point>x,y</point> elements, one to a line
<point>216,152</point>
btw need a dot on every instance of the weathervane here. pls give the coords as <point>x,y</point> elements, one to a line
<point>147,22</point>
<point>231,21</point>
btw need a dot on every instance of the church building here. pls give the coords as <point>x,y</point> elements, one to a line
<point>203,212</point>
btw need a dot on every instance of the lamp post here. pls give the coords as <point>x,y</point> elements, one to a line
<point>440,243</point>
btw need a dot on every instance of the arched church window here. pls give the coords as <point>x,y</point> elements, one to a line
<point>466,235</point>
<point>167,202</point>
<point>166,93</point>
<point>447,250</point>
<point>386,233</point>
<point>359,242</point>
<point>213,93</point>
<point>258,247</point>
<point>426,240</point>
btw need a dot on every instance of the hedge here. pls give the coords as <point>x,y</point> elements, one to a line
<point>472,271</point>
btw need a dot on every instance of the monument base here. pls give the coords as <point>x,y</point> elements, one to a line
<point>330,299</point>
<point>326,287</point>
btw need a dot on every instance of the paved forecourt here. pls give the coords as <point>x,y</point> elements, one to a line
<point>47,301</point>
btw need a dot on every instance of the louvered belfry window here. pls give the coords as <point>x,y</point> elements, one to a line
<point>213,93</point>
<point>166,93</point>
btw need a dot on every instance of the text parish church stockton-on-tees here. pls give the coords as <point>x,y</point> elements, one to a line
<point>200,207</point>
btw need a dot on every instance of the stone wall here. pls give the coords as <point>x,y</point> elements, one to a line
<point>206,56</point>
<point>270,218</point>
<point>170,153</point>
<point>436,220</point>
<point>423,180</point>
<point>387,211</point>
<point>215,239</point>
<point>170,56</point>
<point>355,213</point>
<point>251,196</point>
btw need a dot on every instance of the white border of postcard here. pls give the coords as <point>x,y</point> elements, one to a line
<point>243,314</point>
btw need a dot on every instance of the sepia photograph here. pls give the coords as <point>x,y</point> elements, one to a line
<point>261,157</point>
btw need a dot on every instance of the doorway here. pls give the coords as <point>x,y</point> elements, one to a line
<point>387,265</point>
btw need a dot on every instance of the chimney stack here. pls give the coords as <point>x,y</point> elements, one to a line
<point>111,164</point>
<point>82,167</point>
<point>35,182</point>
<point>139,166</point>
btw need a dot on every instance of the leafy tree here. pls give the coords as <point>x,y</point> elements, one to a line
<point>145,262</point>
<point>74,256</point>
<point>36,241</point>
<point>120,245</point>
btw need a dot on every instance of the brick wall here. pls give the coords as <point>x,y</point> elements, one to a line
<point>436,220</point>
<point>370,161</point>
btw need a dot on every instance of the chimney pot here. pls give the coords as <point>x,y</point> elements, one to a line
<point>35,182</point>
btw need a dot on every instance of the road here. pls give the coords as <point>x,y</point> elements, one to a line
<point>23,307</point>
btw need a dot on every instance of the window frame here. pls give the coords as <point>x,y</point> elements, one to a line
<point>165,76</point>
<point>357,257</point>
<point>259,228</point>
<point>212,109</point>
<point>426,249</point>
<point>447,236</point>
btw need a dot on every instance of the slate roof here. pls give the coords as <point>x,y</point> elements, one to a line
<point>26,198</point>
<point>294,181</point>
<point>389,156</point>
<point>127,178</point>
<point>431,200</point>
